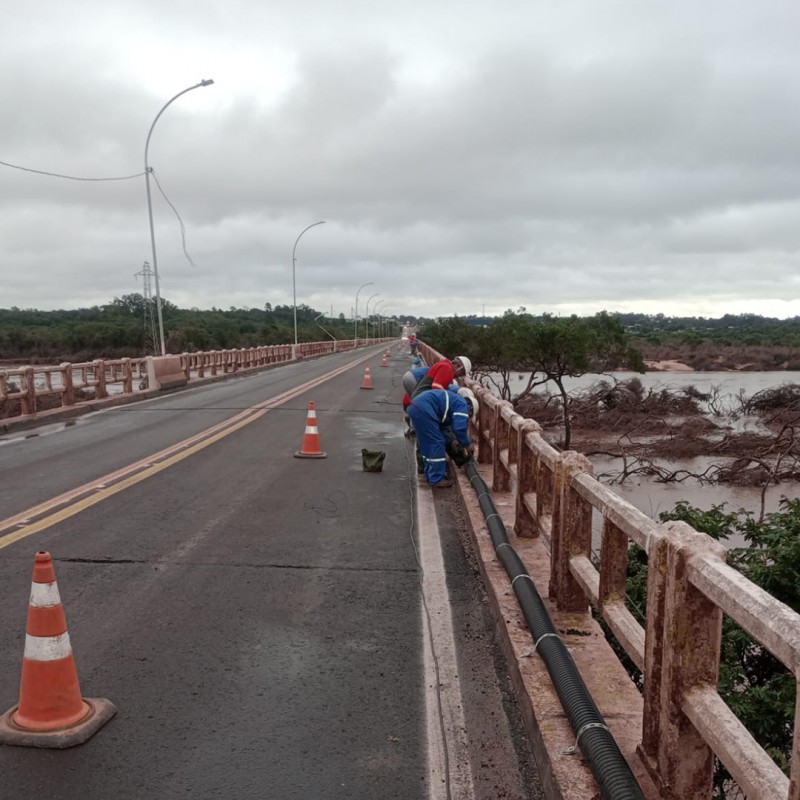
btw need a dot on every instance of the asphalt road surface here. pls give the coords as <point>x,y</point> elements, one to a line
<point>257,619</point>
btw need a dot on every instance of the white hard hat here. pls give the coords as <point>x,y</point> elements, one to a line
<point>468,394</point>
<point>467,364</point>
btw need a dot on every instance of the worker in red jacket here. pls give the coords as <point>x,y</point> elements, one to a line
<point>442,374</point>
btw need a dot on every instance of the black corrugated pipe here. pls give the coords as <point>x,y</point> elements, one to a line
<point>608,765</point>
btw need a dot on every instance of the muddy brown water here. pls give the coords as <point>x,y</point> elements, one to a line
<point>652,497</point>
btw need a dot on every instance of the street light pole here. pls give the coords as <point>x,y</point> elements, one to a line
<point>355,313</point>
<point>147,171</point>
<point>375,311</point>
<point>294,283</point>
<point>366,320</point>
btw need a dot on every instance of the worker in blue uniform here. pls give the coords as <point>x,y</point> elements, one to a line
<point>410,380</point>
<point>432,413</point>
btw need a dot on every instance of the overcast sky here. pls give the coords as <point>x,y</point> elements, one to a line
<point>567,156</point>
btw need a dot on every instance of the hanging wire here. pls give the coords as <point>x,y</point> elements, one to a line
<point>70,177</point>
<point>180,221</point>
<point>117,178</point>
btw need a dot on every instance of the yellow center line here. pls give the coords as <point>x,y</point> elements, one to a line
<point>104,494</point>
<point>100,494</point>
<point>99,490</point>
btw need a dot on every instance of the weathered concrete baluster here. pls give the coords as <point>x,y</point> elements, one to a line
<point>571,532</point>
<point>794,784</point>
<point>486,414</point>
<point>100,390</point>
<point>654,650</point>
<point>689,655</point>
<point>501,478</point>
<point>525,523</point>
<point>127,376</point>
<point>613,564</point>
<point>67,384</point>
<point>28,399</point>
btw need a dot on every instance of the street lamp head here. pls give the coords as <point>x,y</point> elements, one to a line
<point>206,82</point>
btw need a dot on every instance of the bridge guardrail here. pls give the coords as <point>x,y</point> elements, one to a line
<point>30,384</point>
<point>28,390</point>
<point>689,589</point>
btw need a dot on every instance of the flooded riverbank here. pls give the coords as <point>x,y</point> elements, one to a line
<point>652,496</point>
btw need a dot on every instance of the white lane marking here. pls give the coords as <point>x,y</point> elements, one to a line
<point>437,599</point>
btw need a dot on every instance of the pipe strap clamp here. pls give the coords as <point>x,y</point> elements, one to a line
<point>522,575</point>
<point>570,751</point>
<point>543,636</point>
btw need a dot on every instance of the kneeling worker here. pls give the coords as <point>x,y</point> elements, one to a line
<point>442,374</point>
<point>432,413</point>
<point>410,381</point>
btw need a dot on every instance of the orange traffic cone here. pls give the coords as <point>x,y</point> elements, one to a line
<point>367,382</point>
<point>311,448</point>
<point>384,362</point>
<point>51,711</point>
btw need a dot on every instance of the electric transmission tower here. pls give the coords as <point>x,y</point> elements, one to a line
<point>151,345</point>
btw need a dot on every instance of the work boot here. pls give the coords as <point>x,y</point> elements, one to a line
<point>420,464</point>
<point>445,483</point>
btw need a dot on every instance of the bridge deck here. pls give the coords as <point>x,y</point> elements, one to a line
<point>256,618</point>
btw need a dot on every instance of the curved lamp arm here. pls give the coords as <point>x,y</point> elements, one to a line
<point>355,313</point>
<point>147,171</point>
<point>294,282</point>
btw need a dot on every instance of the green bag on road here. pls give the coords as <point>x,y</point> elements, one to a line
<point>372,460</point>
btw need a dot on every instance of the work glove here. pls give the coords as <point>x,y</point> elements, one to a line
<point>460,455</point>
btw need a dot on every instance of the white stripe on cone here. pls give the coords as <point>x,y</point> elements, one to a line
<point>311,429</point>
<point>45,595</point>
<point>47,648</point>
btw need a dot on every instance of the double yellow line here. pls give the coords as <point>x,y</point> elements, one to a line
<point>38,518</point>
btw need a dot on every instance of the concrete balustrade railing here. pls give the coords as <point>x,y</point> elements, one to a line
<point>74,384</point>
<point>685,721</point>
<point>30,384</point>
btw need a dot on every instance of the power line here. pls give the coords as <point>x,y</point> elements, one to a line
<point>70,177</point>
<point>180,221</point>
<point>118,178</point>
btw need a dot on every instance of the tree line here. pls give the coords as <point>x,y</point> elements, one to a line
<point>117,329</point>
<point>544,349</point>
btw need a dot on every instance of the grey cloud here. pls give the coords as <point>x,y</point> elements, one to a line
<point>604,153</point>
